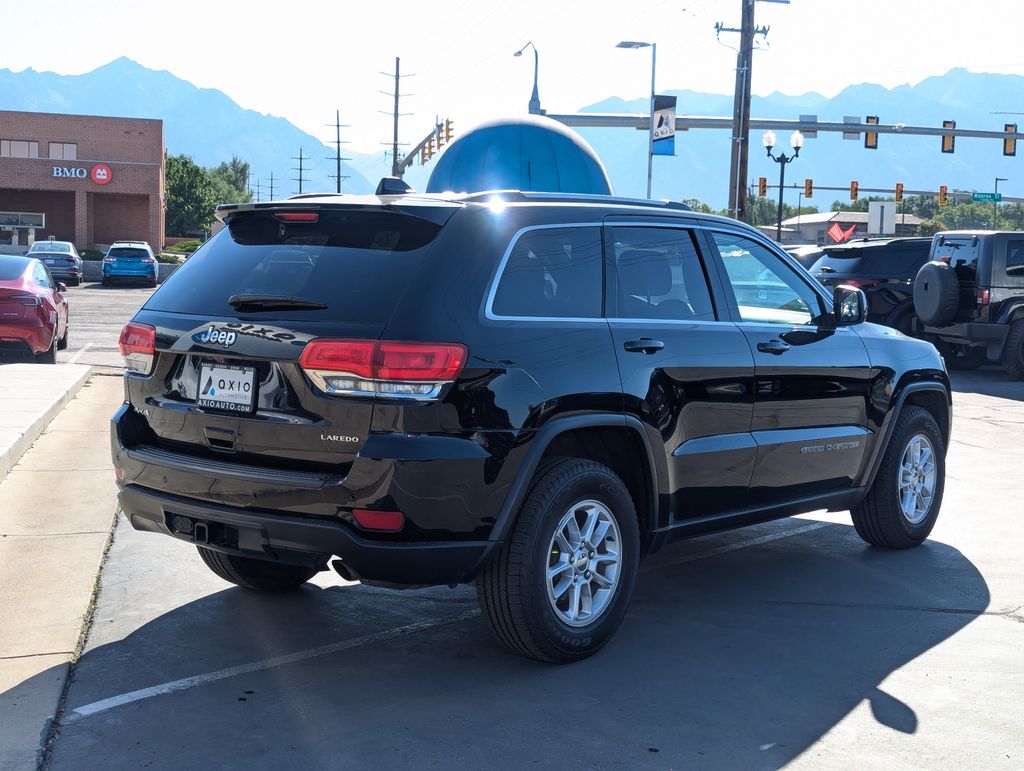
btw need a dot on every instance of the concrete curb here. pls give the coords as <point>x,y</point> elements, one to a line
<point>31,395</point>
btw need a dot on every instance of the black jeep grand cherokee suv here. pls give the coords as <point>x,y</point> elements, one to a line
<point>525,391</point>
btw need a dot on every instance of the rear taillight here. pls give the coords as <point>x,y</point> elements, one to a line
<point>148,259</point>
<point>138,347</point>
<point>297,216</point>
<point>110,259</point>
<point>382,368</point>
<point>391,521</point>
<point>29,300</point>
<point>983,296</point>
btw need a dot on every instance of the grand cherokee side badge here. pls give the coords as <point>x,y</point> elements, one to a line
<point>339,438</point>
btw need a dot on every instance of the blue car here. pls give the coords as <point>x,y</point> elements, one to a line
<point>130,261</point>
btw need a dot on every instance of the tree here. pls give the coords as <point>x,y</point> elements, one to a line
<point>764,211</point>
<point>230,181</point>
<point>190,197</point>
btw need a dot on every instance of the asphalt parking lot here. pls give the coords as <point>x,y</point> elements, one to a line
<point>791,643</point>
<point>96,315</point>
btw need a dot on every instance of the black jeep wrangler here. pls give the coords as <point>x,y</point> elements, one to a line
<point>970,298</point>
<point>524,391</point>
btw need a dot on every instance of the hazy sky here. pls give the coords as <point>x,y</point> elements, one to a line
<point>303,59</point>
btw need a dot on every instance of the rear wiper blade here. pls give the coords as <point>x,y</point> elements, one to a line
<point>272,302</point>
<point>826,269</point>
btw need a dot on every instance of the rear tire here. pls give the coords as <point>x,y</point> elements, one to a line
<point>258,575</point>
<point>899,521</point>
<point>49,356</point>
<point>1013,350</point>
<point>542,614</point>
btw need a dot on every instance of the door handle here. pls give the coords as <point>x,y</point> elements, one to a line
<point>773,346</point>
<point>643,345</point>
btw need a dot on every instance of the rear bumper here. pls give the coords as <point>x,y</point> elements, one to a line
<point>302,541</point>
<point>27,335</point>
<point>972,333</point>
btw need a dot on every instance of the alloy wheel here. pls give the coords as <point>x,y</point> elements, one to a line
<point>583,563</point>
<point>917,479</point>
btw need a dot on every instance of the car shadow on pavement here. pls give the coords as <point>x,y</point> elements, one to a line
<point>987,381</point>
<point>736,658</point>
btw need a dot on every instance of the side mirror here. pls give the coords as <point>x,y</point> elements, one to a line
<point>849,305</point>
<point>61,286</point>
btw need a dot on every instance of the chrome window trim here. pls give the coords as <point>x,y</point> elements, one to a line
<point>500,272</point>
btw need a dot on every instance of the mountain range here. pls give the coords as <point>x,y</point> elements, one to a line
<point>208,125</point>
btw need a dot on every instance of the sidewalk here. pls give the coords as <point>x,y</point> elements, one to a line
<point>56,509</point>
<point>30,396</point>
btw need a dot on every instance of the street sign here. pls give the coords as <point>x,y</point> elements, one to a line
<point>664,129</point>
<point>987,197</point>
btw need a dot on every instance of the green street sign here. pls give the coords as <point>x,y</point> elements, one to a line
<point>989,197</point>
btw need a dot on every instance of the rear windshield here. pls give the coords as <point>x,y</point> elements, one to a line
<point>357,263</point>
<point>55,247</point>
<point>127,251</point>
<point>12,269</point>
<point>957,251</point>
<point>883,260</point>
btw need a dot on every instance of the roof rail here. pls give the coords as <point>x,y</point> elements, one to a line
<point>520,195</point>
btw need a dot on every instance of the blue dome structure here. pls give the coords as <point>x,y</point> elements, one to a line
<point>533,153</point>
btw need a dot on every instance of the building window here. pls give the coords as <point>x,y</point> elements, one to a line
<point>63,151</point>
<point>18,148</point>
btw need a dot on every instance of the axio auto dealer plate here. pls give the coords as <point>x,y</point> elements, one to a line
<point>226,387</point>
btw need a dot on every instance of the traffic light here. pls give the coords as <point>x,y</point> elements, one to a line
<point>1009,144</point>
<point>449,125</point>
<point>808,188</point>
<point>899,192</point>
<point>762,186</point>
<point>429,147</point>
<point>440,138</point>
<point>853,190</point>
<point>871,137</point>
<point>423,156</point>
<point>943,201</point>
<point>948,140</point>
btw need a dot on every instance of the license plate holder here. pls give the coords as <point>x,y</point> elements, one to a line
<point>227,387</point>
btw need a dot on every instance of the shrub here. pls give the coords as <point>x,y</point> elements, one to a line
<point>169,258</point>
<point>90,254</point>
<point>186,247</point>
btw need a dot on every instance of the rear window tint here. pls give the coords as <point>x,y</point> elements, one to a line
<point>124,251</point>
<point>357,263</point>
<point>1015,257</point>
<point>957,251</point>
<point>882,260</point>
<point>50,246</point>
<point>552,273</point>
<point>12,269</point>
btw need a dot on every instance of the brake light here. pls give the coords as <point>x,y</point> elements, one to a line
<point>297,216</point>
<point>138,347</point>
<point>982,296</point>
<point>148,259</point>
<point>859,284</point>
<point>379,520</point>
<point>28,300</point>
<point>382,368</point>
<point>110,259</point>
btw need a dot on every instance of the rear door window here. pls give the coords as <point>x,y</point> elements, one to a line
<point>357,263</point>
<point>552,273</point>
<point>659,275</point>
<point>1015,258</point>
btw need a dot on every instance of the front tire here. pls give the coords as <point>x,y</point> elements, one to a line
<point>904,500</point>
<point>257,575</point>
<point>560,585</point>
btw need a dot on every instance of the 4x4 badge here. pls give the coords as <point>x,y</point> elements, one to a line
<point>216,336</point>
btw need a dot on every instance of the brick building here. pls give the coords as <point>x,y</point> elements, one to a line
<point>81,178</point>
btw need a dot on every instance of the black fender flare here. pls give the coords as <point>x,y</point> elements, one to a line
<point>893,416</point>
<point>1012,310</point>
<point>540,442</point>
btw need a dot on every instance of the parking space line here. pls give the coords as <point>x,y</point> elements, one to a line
<point>185,683</point>
<point>74,359</point>
<point>257,666</point>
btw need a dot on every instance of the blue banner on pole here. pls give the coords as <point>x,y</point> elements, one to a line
<point>664,125</point>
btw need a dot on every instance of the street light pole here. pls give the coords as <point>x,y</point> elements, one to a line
<point>535,97</point>
<point>796,139</point>
<point>650,131</point>
<point>995,203</point>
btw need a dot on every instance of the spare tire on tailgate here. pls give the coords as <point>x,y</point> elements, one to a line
<point>936,294</point>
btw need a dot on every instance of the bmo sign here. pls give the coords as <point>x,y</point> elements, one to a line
<point>101,173</point>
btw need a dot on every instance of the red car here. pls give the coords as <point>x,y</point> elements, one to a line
<point>33,312</point>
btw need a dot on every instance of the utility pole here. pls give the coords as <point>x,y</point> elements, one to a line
<point>300,179</point>
<point>741,106</point>
<point>396,166</point>
<point>271,186</point>
<point>338,125</point>
<point>258,188</point>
